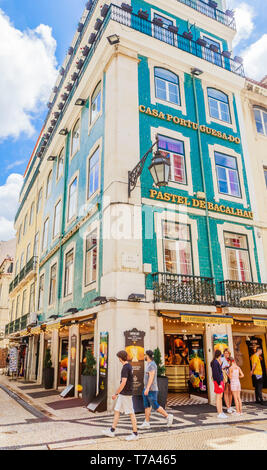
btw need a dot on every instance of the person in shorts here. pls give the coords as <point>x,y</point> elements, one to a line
<point>150,392</point>
<point>217,375</point>
<point>226,364</point>
<point>124,397</point>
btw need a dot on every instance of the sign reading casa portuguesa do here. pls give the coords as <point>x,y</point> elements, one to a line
<point>199,203</point>
<point>188,123</point>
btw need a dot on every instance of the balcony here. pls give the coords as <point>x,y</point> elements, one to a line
<point>233,291</point>
<point>205,9</point>
<point>183,289</point>
<point>17,325</point>
<point>173,39</point>
<point>28,268</point>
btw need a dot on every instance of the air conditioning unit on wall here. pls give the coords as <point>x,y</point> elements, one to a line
<point>32,321</point>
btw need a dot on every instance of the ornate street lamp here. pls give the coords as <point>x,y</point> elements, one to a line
<point>159,169</point>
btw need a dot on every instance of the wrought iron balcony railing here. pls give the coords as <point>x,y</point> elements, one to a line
<point>29,267</point>
<point>176,40</point>
<point>233,291</point>
<point>226,18</point>
<point>183,289</point>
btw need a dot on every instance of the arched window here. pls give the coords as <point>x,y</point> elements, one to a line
<point>60,164</point>
<point>95,102</point>
<point>39,201</point>
<point>75,142</point>
<point>261,120</point>
<point>49,184</point>
<point>219,105</point>
<point>167,86</point>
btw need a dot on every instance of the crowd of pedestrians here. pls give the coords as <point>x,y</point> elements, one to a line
<point>226,376</point>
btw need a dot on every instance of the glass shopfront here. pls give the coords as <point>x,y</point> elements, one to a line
<point>185,364</point>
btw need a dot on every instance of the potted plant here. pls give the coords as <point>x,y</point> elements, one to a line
<point>89,378</point>
<point>80,27</point>
<point>173,29</point>
<point>48,371</point>
<point>92,38</point>
<point>226,54</point>
<point>158,21</point>
<point>143,14</point>
<point>104,10</point>
<point>201,42</point>
<point>162,379</point>
<point>188,35</point>
<point>98,24</point>
<point>127,7</point>
<point>230,13</point>
<point>238,59</point>
<point>89,5</point>
<point>213,4</point>
<point>214,48</point>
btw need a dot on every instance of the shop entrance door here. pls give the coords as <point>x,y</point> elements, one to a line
<point>185,364</point>
<point>244,348</point>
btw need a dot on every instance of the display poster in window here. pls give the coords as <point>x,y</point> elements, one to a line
<point>103,362</point>
<point>220,342</point>
<point>73,352</point>
<point>134,346</point>
<point>197,369</point>
<point>176,350</point>
<point>252,345</point>
<point>13,360</point>
<point>63,369</point>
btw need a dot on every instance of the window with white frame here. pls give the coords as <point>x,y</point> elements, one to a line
<point>36,242</point>
<point>41,292</point>
<point>57,217</point>
<point>45,235</point>
<point>32,298</point>
<point>73,193</point>
<point>95,103</point>
<point>31,214</point>
<point>52,285</point>
<point>93,173</point>
<point>265,175</point>
<point>167,86</point>
<point>75,141</point>
<point>39,200</point>
<point>227,174</point>
<point>237,256</point>
<point>174,150</point>
<point>91,258</point>
<point>17,313</point>
<point>261,120</point>
<point>49,184</point>
<point>19,234</point>
<point>69,270</point>
<point>177,248</point>
<point>16,267</point>
<point>12,311</point>
<point>60,164</point>
<point>211,55</point>
<point>219,105</point>
<point>161,32</point>
<point>22,261</point>
<point>28,253</point>
<point>25,224</point>
<point>23,305</point>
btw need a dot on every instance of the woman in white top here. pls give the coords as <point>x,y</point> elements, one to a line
<point>226,363</point>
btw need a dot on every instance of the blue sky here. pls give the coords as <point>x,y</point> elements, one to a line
<point>34,38</point>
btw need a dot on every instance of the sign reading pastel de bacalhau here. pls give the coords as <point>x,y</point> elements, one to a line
<point>199,203</point>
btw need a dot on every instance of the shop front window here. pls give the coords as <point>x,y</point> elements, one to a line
<point>177,248</point>
<point>237,255</point>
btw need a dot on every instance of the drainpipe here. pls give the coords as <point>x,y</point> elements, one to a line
<point>203,177</point>
<point>64,200</point>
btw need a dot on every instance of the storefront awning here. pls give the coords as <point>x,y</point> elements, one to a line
<point>199,318</point>
<point>260,321</point>
<point>260,297</point>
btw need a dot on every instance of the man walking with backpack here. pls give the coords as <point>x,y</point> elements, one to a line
<point>124,397</point>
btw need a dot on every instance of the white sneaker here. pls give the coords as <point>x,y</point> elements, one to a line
<point>169,420</point>
<point>229,410</point>
<point>132,437</point>
<point>222,416</point>
<point>145,425</point>
<point>108,433</point>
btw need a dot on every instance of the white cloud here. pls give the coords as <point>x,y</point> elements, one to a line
<point>27,74</point>
<point>9,196</point>
<point>255,59</point>
<point>15,163</point>
<point>244,16</point>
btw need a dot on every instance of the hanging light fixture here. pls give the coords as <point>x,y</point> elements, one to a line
<point>160,169</point>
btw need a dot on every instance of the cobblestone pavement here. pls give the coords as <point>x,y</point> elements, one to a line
<point>194,426</point>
